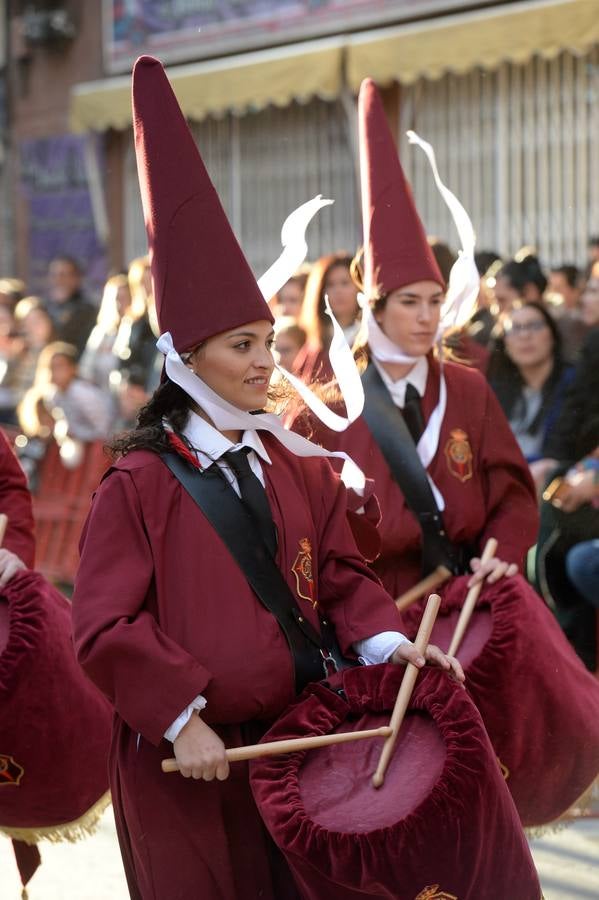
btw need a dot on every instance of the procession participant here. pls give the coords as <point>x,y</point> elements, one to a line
<point>330,277</point>
<point>40,687</point>
<point>165,620</point>
<point>449,475</point>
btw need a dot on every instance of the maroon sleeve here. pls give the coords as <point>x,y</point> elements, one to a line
<point>348,590</point>
<point>15,502</point>
<point>146,675</point>
<point>511,503</point>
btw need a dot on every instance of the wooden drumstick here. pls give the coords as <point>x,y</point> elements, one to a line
<point>428,584</point>
<point>3,524</point>
<point>407,686</point>
<point>274,748</point>
<point>470,602</point>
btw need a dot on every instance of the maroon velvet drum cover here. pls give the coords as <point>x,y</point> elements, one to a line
<point>54,725</point>
<point>539,704</point>
<point>442,825</point>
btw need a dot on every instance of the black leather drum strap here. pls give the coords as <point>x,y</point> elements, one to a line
<point>224,510</point>
<point>389,430</point>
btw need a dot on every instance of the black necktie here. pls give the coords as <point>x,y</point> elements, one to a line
<point>253,495</point>
<point>412,413</point>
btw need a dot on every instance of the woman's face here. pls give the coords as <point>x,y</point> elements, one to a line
<point>505,294</point>
<point>410,317</point>
<point>342,294</point>
<point>237,364</point>
<point>590,302</point>
<point>528,338</point>
<point>37,328</point>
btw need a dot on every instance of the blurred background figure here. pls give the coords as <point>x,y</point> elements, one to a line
<point>330,276</point>
<point>135,345</point>
<point>71,312</point>
<point>593,254</point>
<point>99,359</point>
<point>11,291</point>
<point>444,255</point>
<point>529,376</point>
<point>518,280</point>
<point>289,340</point>
<point>289,299</point>
<point>131,397</point>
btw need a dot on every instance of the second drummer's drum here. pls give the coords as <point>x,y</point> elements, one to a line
<point>539,704</point>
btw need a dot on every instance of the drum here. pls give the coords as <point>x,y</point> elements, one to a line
<point>54,725</point>
<point>539,704</point>
<point>442,826</point>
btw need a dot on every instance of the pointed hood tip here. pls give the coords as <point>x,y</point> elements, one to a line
<point>396,248</point>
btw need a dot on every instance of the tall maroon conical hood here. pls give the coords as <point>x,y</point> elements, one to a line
<point>396,251</point>
<point>202,281</point>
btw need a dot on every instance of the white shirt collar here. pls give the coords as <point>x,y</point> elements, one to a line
<point>210,444</point>
<point>417,377</point>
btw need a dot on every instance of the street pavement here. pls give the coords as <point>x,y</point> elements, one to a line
<point>567,860</point>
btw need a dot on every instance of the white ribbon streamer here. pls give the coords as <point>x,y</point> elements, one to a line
<point>464,280</point>
<point>348,381</point>
<point>227,417</point>
<point>295,248</point>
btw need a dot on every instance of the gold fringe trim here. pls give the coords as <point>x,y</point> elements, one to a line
<point>574,812</point>
<point>73,831</point>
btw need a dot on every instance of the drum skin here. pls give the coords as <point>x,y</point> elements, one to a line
<point>443,824</point>
<point>539,704</point>
<point>54,724</point>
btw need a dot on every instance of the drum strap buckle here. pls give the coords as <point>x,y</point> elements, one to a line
<point>329,663</point>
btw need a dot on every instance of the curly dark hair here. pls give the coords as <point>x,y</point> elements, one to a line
<point>169,402</point>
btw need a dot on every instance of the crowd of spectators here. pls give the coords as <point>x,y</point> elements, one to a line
<point>74,371</point>
<point>70,370</point>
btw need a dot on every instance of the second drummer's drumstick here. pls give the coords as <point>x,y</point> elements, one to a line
<point>407,686</point>
<point>3,524</point>
<point>274,748</point>
<point>470,602</point>
<point>428,584</point>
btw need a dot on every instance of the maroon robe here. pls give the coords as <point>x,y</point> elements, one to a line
<point>478,468</point>
<point>15,502</point>
<point>161,614</point>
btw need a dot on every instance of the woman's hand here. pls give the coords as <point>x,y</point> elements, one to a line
<point>407,652</point>
<point>10,564</point>
<point>491,571</point>
<point>200,752</point>
<point>580,488</point>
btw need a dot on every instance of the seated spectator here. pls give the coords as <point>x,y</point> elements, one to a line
<point>520,279</point>
<point>289,340</point>
<point>36,331</point>
<point>568,553</point>
<point>11,348</point>
<point>80,410</point>
<point>529,376</point>
<point>289,299</point>
<point>73,316</point>
<point>99,359</point>
<point>135,344</point>
<point>443,254</point>
<point>132,396</point>
<point>563,299</point>
<point>11,291</point>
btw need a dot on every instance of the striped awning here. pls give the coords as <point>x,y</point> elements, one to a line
<point>513,32</point>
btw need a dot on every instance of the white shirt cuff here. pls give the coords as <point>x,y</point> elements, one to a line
<point>379,648</point>
<point>172,732</point>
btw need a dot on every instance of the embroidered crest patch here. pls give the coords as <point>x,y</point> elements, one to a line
<point>10,771</point>
<point>433,893</point>
<point>458,454</point>
<point>302,569</point>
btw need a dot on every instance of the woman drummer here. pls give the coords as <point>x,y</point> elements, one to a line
<point>461,444</point>
<point>165,621</point>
